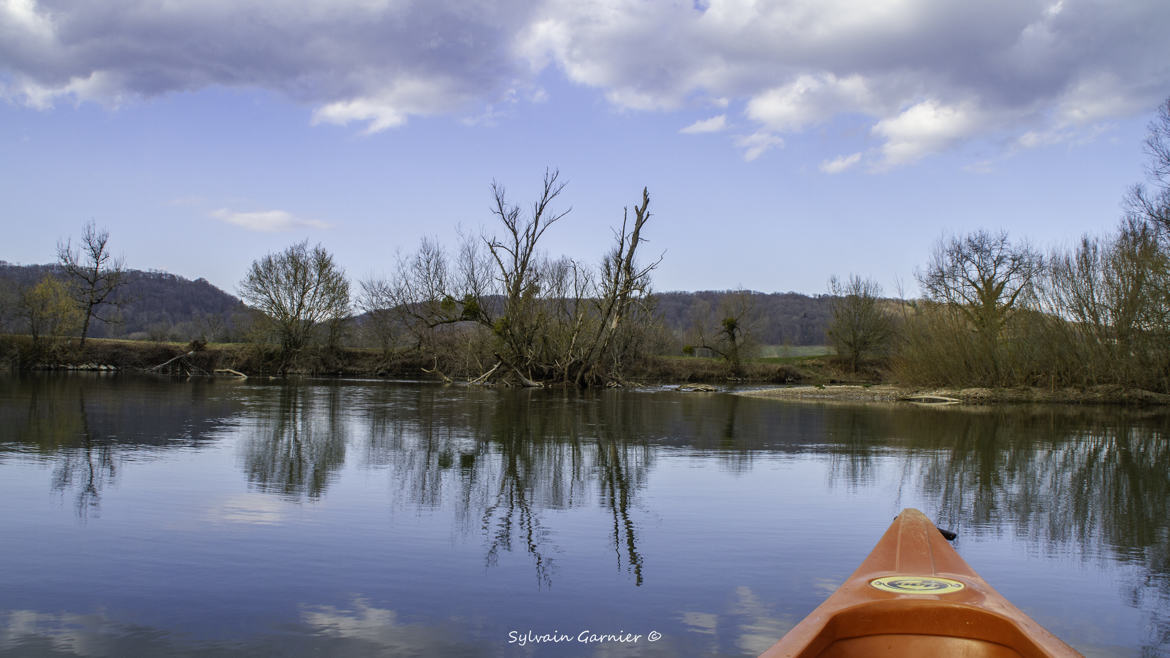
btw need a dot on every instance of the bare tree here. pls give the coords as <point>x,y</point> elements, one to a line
<point>515,256</point>
<point>376,302</point>
<point>860,327</point>
<point>983,275</point>
<point>624,284</point>
<point>557,320</point>
<point>1112,291</point>
<point>423,294</point>
<point>1154,205</point>
<point>503,311</point>
<point>94,272</point>
<point>298,290</point>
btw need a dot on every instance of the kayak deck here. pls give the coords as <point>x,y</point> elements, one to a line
<point>914,596</point>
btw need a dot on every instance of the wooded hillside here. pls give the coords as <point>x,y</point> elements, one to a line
<point>159,305</point>
<point>152,305</point>
<point>782,318</point>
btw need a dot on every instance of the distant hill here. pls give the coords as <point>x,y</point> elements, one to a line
<point>162,306</point>
<point>786,318</point>
<point>152,304</point>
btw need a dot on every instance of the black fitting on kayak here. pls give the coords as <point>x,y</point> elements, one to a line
<point>949,535</point>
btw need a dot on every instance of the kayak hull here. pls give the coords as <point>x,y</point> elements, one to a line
<point>914,596</point>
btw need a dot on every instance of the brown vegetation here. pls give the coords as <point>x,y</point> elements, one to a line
<point>501,311</point>
<point>999,315</point>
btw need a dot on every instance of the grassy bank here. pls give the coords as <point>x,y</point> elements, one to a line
<point>798,378</point>
<point>20,353</point>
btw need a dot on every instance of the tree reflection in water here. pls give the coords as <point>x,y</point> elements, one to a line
<point>87,467</point>
<point>297,444</point>
<point>504,457</point>
<point>87,425</point>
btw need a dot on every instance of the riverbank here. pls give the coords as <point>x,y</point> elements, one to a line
<point>809,380</point>
<point>887,393</point>
<point>102,354</point>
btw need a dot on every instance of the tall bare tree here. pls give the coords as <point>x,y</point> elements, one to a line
<point>298,289</point>
<point>556,320</point>
<point>94,272</point>
<point>984,276</point>
<point>516,258</point>
<point>531,318</point>
<point>860,327</point>
<point>624,287</point>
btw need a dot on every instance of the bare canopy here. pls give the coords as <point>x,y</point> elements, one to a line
<point>982,274</point>
<point>93,270</point>
<point>860,327</point>
<point>298,289</point>
<point>504,311</point>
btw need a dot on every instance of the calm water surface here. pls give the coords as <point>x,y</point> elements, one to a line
<point>156,517</point>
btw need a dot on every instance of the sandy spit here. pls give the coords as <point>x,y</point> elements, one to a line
<point>885,393</point>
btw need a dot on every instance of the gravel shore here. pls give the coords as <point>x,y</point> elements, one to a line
<point>886,393</point>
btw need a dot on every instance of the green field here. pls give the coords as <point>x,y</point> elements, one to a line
<point>782,353</point>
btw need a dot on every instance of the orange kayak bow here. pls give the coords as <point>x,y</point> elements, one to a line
<point>914,596</point>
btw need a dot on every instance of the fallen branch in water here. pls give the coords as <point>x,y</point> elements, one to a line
<point>482,379</point>
<point>435,371</point>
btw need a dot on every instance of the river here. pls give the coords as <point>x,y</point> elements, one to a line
<point>148,516</point>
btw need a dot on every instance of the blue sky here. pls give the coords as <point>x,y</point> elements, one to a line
<point>781,142</point>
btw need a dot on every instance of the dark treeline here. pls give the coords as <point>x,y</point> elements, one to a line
<point>781,318</point>
<point>149,306</point>
<point>163,306</point>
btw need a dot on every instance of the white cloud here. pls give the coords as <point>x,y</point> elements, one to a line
<point>21,16</point>
<point>713,125</point>
<point>810,99</point>
<point>757,144</point>
<point>840,164</point>
<point>968,70</point>
<point>98,86</point>
<point>373,62</point>
<point>267,221</point>
<point>1095,98</point>
<point>380,114</point>
<point>925,128</point>
<point>390,106</point>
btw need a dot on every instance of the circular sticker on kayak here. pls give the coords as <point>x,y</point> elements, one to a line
<point>916,585</point>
